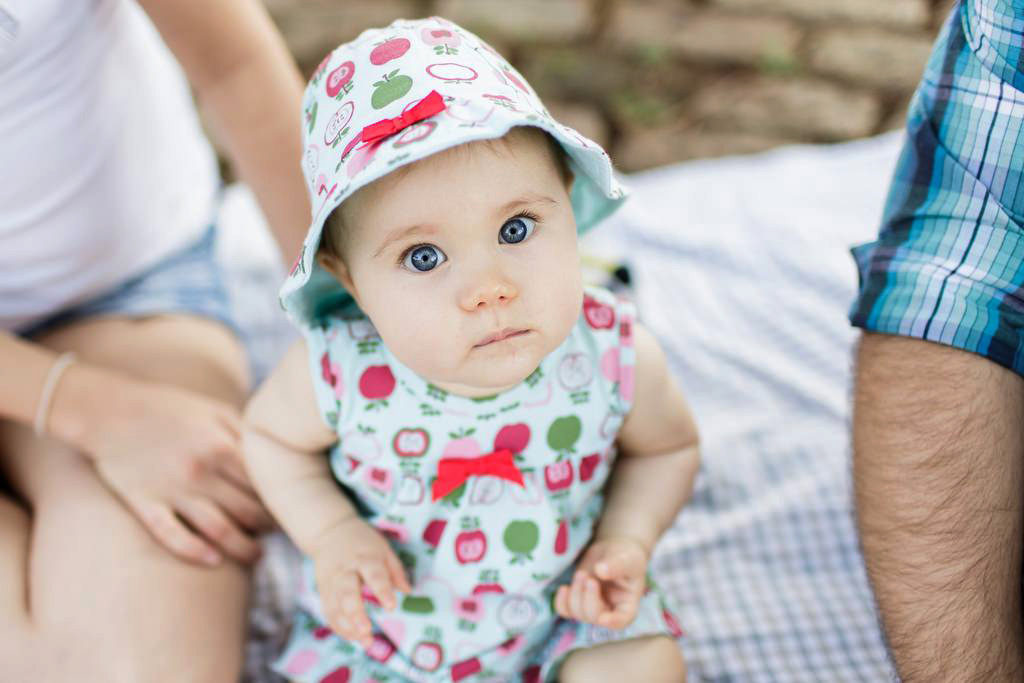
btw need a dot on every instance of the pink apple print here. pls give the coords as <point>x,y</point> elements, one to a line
<point>338,123</point>
<point>321,632</point>
<point>514,437</point>
<point>462,447</point>
<point>427,656</point>
<point>575,371</point>
<point>511,75</point>
<point>513,644</point>
<point>443,40</point>
<point>432,534</point>
<point>470,608</point>
<point>380,649</point>
<point>562,537</point>
<point>599,316</point>
<point>377,383</point>
<point>411,442</point>
<point>415,133</point>
<point>451,72</point>
<point>588,464</point>
<point>379,479</point>
<point>339,78</point>
<point>393,48</point>
<point>626,331</point>
<point>531,674</point>
<point>470,546</point>
<point>340,675</point>
<point>673,624</point>
<point>558,475</point>
<point>484,588</point>
<point>301,662</point>
<point>360,445</point>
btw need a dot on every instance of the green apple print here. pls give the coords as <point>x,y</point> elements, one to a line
<point>563,433</point>
<point>393,87</point>
<point>521,537</point>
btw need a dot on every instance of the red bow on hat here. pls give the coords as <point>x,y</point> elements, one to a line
<point>453,472</point>
<point>424,109</point>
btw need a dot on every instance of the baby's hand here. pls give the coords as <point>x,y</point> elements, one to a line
<point>608,584</point>
<point>349,557</point>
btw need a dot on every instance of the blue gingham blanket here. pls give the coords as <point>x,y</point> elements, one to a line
<point>741,268</point>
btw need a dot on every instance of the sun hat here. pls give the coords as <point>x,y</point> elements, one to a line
<point>398,94</point>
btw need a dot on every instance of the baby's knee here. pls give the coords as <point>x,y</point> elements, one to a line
<point>652,659</point>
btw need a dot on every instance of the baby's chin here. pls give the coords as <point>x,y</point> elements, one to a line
<point>488,376</point>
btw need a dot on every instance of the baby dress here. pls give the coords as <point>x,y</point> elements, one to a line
<point>485,558</point>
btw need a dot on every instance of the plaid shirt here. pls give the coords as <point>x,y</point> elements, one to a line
<point>948,265</point>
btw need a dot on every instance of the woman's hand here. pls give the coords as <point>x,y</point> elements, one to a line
<point>608,584</point>
<point>350,558</point>
<point>171,455</point>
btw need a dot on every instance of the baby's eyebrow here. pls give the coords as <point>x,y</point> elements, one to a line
<point>522,200</point>
<point>396,235</point>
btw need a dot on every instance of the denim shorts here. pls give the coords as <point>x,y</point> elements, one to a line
<point>187,281</point>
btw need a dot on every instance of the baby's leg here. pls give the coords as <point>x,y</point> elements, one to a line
<point>652,659</point>
<point>85,593</point>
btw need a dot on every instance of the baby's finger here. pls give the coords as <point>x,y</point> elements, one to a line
<point>562,601</point>
<point>576,596</point>
<point>398,576</point>
<point>610,567</point>
<point>378,580</point>
<point>620,616</point>
<point>593,603</point>
<point>350,605</point>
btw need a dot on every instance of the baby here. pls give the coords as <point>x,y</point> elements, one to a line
<point>505,445</point>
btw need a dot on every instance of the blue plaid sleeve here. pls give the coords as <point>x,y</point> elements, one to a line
<point>948,264</point>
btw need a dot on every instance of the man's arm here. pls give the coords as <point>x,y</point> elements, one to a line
<point>938,462</point>
<point>250,90</point>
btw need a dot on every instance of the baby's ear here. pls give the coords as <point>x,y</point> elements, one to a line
<point>336,267</point>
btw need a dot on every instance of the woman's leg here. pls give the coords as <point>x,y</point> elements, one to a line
<point>84,590</point>
<point>652,659</point>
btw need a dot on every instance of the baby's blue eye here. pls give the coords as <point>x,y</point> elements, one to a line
<point>517,229</point>
<point>423,258</point>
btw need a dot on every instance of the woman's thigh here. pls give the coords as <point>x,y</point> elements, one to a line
<point>85,588</point>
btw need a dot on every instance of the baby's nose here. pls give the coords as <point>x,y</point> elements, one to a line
<point>493,292</point>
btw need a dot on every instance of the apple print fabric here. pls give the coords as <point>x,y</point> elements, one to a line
<point>383,75</point>
<point>485,559</point>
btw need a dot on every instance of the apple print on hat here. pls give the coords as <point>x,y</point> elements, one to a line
<point>401,93</point>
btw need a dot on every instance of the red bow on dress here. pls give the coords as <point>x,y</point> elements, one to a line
<point>453,472</point>
<point>424,109</point>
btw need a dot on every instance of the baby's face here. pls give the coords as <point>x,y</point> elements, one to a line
<point>462,246</point>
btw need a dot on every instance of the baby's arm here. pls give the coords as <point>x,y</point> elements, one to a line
<point>283,441</point>
<point>653,476</point>
<point>658,454</point>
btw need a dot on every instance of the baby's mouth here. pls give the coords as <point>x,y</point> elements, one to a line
<point>501,335</point>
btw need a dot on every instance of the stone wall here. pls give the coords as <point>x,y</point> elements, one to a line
<point>658,81</point>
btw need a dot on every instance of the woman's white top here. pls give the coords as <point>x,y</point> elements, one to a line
<point>104,168</point>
